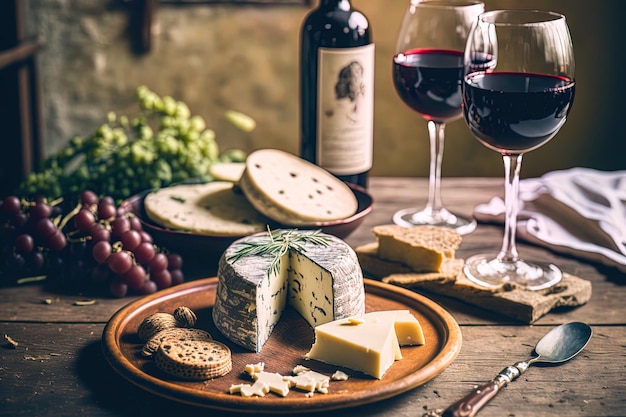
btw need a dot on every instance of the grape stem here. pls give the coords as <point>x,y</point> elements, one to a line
<point>65,220</point>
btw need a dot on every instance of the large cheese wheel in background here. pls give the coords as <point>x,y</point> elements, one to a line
<point>214,208</point>
<point>293,191</point>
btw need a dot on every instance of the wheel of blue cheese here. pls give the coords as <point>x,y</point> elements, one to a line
<point>318,275</point>
<point>293,191</point>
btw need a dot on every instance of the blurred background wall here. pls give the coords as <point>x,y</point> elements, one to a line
<point>245,57</point>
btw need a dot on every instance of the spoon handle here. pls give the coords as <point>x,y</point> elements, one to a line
<point>469,405</point>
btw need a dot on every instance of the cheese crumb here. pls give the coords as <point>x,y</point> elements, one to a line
<point>304,380</point>
<point>298,369</point>
<point>310,381</point>
<point>339,376</point>
<point>259,389</point>
<point>235,388</point>
<point>356,320</point>
<point>274,381</point>
<point>252,369</point>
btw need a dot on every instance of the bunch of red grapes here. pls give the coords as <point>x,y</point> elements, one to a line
<point>95,245</point>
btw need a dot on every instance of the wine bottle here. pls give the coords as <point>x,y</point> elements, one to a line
<point>337,91</point>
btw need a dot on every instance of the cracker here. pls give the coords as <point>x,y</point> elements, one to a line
<point>401,274</point>
<point>175,334</point>
<point>194,360</point>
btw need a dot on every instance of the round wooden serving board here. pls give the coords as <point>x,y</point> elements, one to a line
<point>290,341</point>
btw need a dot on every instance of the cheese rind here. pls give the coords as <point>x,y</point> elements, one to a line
<point>322,282</point>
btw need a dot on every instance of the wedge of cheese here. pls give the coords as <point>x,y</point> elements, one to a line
<point>370,343</point>
<point>408,329</point>
<point>422,248</point>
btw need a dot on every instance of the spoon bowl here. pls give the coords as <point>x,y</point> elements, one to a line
<point>562,343</point>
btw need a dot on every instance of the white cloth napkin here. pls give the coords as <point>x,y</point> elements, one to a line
<point>579,211</point>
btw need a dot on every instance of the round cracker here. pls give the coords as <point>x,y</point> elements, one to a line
<point>174,334</point>
<point>193,360</point>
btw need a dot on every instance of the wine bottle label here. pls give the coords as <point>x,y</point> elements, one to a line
<point>345,112</point>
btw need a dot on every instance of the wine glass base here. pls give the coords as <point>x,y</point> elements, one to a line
<point>442,218</point>
<point>489,272</point>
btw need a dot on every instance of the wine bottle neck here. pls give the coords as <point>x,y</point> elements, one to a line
<point>335,4</point>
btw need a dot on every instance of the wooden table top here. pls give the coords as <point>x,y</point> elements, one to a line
<point>59,369</point>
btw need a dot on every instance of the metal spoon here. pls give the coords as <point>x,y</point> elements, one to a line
<point>560,344</point>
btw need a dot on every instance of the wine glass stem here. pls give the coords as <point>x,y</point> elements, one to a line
<point>512,165</point>
<point>436,132</point>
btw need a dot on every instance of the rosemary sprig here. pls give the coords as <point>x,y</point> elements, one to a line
<point>277,244</point>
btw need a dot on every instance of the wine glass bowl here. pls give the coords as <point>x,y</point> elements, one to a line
<point>427,71</point>
<point>518,90</point>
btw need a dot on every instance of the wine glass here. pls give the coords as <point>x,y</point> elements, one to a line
<point>517,92</point>
<point>427,74</point>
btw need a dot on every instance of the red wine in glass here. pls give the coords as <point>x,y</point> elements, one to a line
<point>512,112</point>
<point>429,82</point>
<point>513,104</point>
<point>427,72</point>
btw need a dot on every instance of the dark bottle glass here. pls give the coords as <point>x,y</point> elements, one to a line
<point>337,91</point>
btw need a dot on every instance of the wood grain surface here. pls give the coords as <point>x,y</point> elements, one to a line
<point>59,369</point>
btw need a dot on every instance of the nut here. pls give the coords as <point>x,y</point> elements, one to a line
<point>185,317</point>
<point>154,323</point>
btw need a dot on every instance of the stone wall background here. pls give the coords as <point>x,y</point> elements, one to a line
<point>245,57</point>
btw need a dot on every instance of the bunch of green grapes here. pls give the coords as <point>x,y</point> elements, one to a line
<point>165,144</point>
